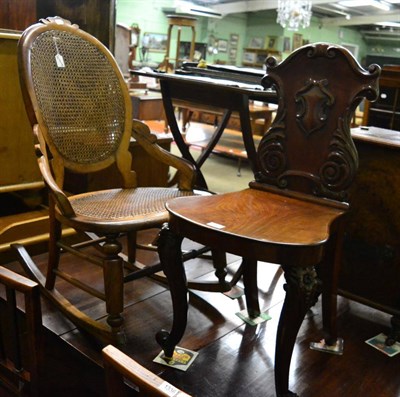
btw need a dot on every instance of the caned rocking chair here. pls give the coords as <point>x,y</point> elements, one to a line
<point>81,112</point>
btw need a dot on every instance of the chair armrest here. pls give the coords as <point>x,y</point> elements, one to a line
<point>59,196</point>
<point>43,161</point>
<point>186,171</point>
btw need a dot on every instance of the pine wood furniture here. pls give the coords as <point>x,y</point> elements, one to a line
<point>20,175</point>
<point>147,105</point>
<point>179,21</point>
<point>293,213</point>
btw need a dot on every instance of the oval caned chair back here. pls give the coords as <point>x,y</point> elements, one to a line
<point>81,97</point>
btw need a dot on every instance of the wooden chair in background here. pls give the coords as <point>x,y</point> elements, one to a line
<point>126,43</point>
<point>293,213</point>
<point>118,367</point>
<point>20,335</point>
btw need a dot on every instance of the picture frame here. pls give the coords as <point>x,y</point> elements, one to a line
<point>270,42</point>
<point>233,40</point>
<point>232,54</point>
<point>256,42</point>
<point>155,42</point>
<point>222,45</point>
<point>249,57</point>
<point>297,40</point>
<point>286,44</point>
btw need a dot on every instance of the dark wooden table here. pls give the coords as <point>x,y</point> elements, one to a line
<point>217,89</point>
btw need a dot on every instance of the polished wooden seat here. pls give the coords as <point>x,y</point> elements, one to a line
<point>118,366</point>
<point>20,335</point>
<point>293,212</point>
<point>81,113</point>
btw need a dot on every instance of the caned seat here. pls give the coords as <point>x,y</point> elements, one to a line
<point>293,213</point>
<point>81,113</point>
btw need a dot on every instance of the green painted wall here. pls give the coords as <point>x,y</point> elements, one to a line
<point>264,24</point>
<point>149,16</point>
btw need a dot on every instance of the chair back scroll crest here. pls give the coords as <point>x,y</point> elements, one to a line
<point>309,148</point>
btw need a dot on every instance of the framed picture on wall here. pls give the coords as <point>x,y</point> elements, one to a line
<point>233,40</point>
<point>256,42</point>
<point>222,45</point>
<point>232,54</point>
<point>156,42</point>
<point>270,42</point>
<point>249,57</point>
<point>297,40</point>
<point>286,44</point>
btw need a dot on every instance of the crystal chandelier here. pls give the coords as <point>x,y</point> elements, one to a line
<point>294,13</point>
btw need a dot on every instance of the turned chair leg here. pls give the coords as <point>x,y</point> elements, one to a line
<point>219,262</point>
<point>114,285</point>
<point>55,231</point>
<point>131,246</point>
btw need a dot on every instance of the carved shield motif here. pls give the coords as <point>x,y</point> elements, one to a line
<point>313,103</point>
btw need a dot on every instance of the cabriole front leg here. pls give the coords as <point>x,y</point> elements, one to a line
<point>169,250</point>
<point>301,288</point>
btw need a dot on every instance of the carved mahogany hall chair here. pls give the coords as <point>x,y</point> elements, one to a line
<point>81,113</point>
<point>118,367</point>
<point>21,354</point>
<point>292,213</point>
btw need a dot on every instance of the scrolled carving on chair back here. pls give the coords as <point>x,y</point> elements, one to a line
<point>309,148</point>
<point>78,95</point>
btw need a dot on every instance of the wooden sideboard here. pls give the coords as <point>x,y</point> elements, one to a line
<point>371,269</point>
<point>385,112</point>
<point>97,17</point>
<point>20,178</point>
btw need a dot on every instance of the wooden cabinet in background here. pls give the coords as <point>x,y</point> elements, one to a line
<point>385,112</point>
<point>18,164</point>
<point>370,272</point>
<point>97,17</point>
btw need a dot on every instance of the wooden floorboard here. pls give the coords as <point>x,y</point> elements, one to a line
<point>235,360</point>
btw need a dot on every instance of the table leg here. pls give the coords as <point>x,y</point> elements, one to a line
<point>169,250</point>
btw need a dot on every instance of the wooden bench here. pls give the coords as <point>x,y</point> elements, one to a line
<point>210,115</point>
